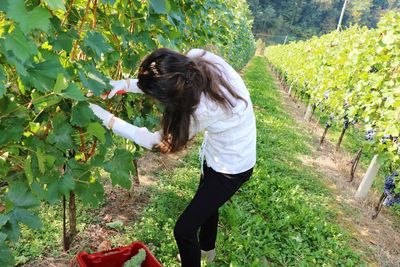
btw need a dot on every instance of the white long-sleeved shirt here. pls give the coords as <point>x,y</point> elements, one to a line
<point>229,144</point>
<point>230,137</point>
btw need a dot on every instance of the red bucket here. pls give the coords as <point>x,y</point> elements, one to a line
<point>116,257</point>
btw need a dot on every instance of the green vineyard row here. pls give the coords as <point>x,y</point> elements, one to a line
<point>352,76</point>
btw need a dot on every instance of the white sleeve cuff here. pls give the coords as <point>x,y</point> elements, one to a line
<point>141,136</point>
<point>133,88</point>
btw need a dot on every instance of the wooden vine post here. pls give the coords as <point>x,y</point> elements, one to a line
<point>369,176</point>
<point>307,116</point>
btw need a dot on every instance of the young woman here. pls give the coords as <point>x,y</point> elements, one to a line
<point>201,93</point>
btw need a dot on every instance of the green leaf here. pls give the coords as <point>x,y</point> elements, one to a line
<point>6,258</point>
<point>3,237</point>
<point>9,134</point>
<point>37,18</point>
<point>41,161</point>
<point>74,92</point>
<point>21,46</point>
<point>97,130</point>
<point>112,2</point>
<point>97,43</point>
<point>43,75</point>
<point>160,6</point>
<point>91,193</point>
<point>20,196</point>
<point>3,78</point>
<point>61,83</point>
<point>388,39</point>
<point>61,135</point>
<point>64,40</point>
<point>66,184</point>
<point>81,114</point>
<point>3,220</point>
<point>55,4</point>
<point>28,169</point>
<point>118,224</point>
<point>94,81</point>
<point>26,217</point>
<point>120,166</point>
<point>137,259</point>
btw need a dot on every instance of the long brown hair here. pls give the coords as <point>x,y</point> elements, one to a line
<point>178,81</point>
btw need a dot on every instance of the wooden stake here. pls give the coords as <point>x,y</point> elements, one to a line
<point>368,178</point>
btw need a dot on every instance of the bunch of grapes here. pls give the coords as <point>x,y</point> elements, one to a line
<point>386,138</point>
<point>391,197</point>
<point>346,122</point>
<point>370,135</point>
<point>330,121</point>
<point>326,94</point>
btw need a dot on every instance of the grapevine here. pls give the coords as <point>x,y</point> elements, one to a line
<point>353,75</point>
<point>55,57</point>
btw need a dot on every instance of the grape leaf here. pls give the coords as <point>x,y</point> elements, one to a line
<point>64,40</point>
<point>21,46</point>
<point>136,260</point>
<point>97,130</point>
<point>97,43</point>
<point>3,220</point>
<point>94,81</point>
<point>118,224</point>
<point>66,184</point>
<point>160,6</point>
<point>26,217</point>
<point>3,78</point>
<point>120,166</point>
<point>91,193</point>
<point>3,6</point>
<point>28,169</point>
<point>20,196</point>
<point>112,2</point>
<point>55,4</point>
<point>388,39</point>
<point>6,258</point>
<point>43,75</point>
<point>61,83</point>
<point>61,134</point>
<point>37,18</point>
<point>9,134</point>
<point>74,92</point>
<point>81,114</point>
<point>3,237</point>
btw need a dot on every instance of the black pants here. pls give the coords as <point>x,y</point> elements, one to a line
<point>202,213</point>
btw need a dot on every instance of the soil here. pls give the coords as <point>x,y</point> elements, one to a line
<point>378,239</point>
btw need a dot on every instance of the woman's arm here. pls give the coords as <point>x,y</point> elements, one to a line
<point>140,136</point>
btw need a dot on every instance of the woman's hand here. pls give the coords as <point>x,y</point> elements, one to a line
<point>122,87</point>
<point>165,146</point>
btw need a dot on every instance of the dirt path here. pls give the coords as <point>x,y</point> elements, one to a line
<point>378,239</point>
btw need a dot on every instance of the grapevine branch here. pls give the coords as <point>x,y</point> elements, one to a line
<point>80,27</point>
<point>68,12</point>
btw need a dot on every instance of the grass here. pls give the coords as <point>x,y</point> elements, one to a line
<point>280,217</point>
